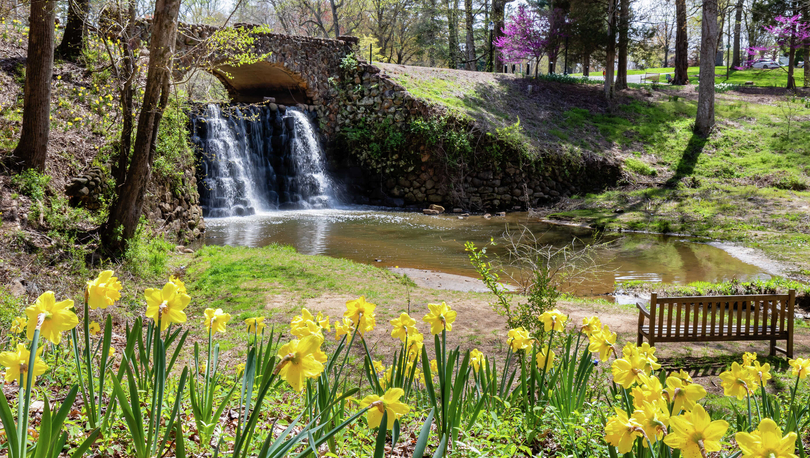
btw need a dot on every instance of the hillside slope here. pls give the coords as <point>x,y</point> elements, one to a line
<point>748,182</point>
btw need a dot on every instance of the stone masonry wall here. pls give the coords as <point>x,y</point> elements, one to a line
<point>370,97</point>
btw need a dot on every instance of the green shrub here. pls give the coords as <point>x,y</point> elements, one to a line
<point>31,183</point>
<point>639,167</point>
<point>147,254</point>
<point>174,153</point>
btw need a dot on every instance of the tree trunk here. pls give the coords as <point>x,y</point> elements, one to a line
<point>624,30</point>
<point>335,17</point>
<point>735,61</point>
<point>32,150</point>
<point>498,12</point>
<point>71,46</point>
<point>611,50</point>
<point>791,82</point>
<point>128,75</point>
<point>126,209</point>
<point>806,15</point>
<point>704,121</point>
<point>452,44</point>
<point>586,64</point>
<point>681,44</point>
<point>468,9</point>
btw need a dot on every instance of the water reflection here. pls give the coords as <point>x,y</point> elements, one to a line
<point>388,238</point>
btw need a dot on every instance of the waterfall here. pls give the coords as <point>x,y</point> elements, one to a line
<point>254,158</point>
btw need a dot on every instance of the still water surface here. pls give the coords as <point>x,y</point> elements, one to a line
<point>387,239</point>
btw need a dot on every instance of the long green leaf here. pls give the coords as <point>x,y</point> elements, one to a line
<point>424,436</point>
<point>382,433</point>
<point>9,425</point>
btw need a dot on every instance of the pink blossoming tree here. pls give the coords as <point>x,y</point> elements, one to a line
<point>791,32</point>
<point>529,34</point>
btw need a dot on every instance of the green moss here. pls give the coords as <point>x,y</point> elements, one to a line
<point>639,167</point>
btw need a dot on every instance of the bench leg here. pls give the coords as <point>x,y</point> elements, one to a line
<point>789,346</point>
<point>640,339</point>
<point>773,348</point>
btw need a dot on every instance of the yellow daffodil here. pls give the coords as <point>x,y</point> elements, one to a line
<point>103,291</point>
<point>653,419</point>
<point>181,287</point>
<point>518,339</point>
<point>591,325</point>
<point>215,320</point>
<point>760,373</point>
<point>379,367</point>
<point>56,317</point>
<point>304,325</point>
<point>403,327</point>
<point>749,358</point>
<point>166,305</point>
<point>738,382</point>
<point>545,359</point>
<point>801,367</point>
<point>298,361</point>
<point>16,364</point>
<point>94,328</point>
<point>434,366</point>
<point>683,375</point>
<point>553,320</point>
<point>112,351</point>
<point>476,358</point>
<point>441,317</point>
<point>388,403</point>
<point>415,343</point>
<point>255,325</point>
<point>343,327</point>
<point>602,343</point>
<point>694,431</point>
<point>323,322</point>
<point>362,314</point>
<point>767,442</point>
<point>19,324</point>
<point>627,371</point>
<point>240,368</point>
<point>649,390</point>
<point>622,431</point>
<point>683,395</point>
<point>645,351</point>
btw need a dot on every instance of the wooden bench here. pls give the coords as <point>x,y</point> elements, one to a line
<point>719,318</point>
<point>651,78</point>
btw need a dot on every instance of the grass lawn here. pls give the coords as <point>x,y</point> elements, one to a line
<point>776,77</point>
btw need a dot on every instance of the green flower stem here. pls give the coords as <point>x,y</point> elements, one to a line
<point>22,416</point>
<point>75,341</point>
<point>545,366</point>
<point>207,403</point>
<point>88,361</point>
<point>750,421</point>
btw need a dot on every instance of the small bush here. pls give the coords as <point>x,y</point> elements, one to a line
<point>31,183</point>
<point>147,254</point>
<point>639,167</point>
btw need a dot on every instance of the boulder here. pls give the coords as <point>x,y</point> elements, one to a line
<point>438,208</point>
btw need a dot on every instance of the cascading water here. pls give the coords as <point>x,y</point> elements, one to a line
<point>254,159</point>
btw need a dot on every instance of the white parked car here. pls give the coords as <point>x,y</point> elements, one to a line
<point>800,64</point>
<point>765,63</point>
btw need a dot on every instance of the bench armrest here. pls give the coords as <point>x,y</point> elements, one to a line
<point>643,309</point>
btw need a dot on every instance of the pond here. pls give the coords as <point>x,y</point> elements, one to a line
<point>413,240</point>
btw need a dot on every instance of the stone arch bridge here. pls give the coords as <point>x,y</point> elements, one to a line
<point>296,69</point>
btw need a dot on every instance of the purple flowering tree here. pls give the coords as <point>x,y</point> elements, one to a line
<point>525,36</point>
<point>791,32</point>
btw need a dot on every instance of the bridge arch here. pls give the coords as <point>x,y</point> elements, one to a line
<point>296,69</point>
